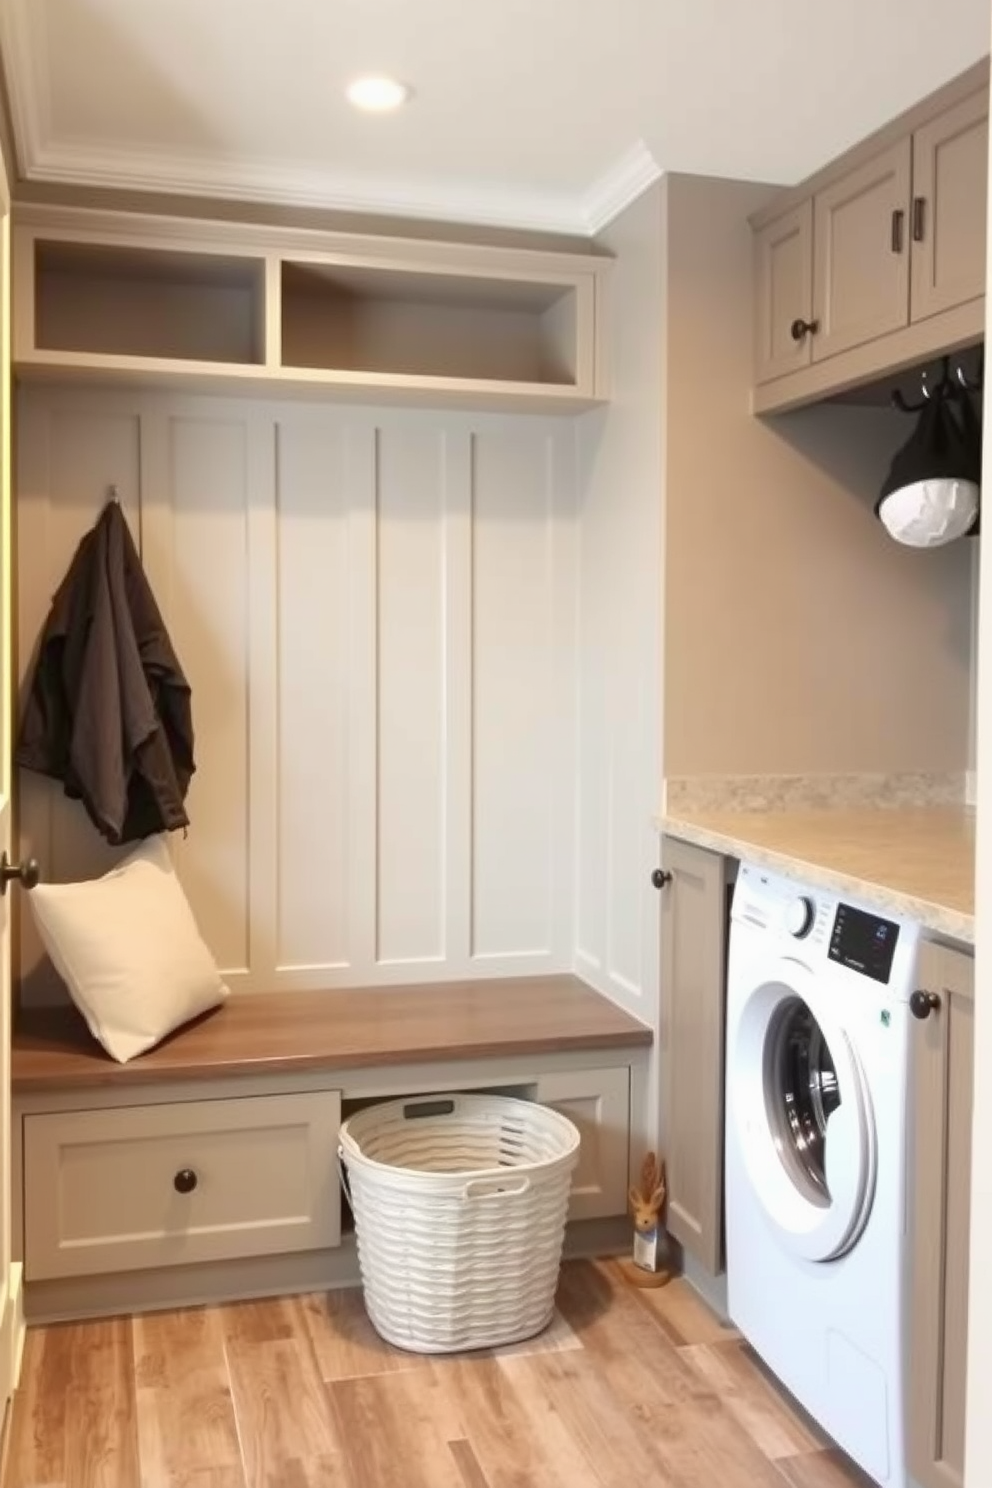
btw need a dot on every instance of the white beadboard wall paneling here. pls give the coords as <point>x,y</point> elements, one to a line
<point>316,577</point>
<point>412,744</point>
<point>210,628</point>
<point>376,610</point>
<point>522,744</point>
<point>69,452</point>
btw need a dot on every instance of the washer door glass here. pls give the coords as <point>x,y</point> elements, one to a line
<point>801,1094</point>
<point>802,1114</point>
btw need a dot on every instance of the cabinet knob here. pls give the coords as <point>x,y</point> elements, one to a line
<point>922,1004</point>
<point>184,1181</point>
<point>28,873</point>
<point>660,877</point>
<point>801,328</point>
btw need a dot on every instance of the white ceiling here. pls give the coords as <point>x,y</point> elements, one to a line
<point>533,113</point>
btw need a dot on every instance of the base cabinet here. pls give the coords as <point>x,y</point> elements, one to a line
<point>940,1178</point>
<point>229,1187</point>
<point>598,1102</point>
<point>693,961</point>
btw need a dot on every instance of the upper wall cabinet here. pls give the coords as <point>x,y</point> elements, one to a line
<point>783,292</point>
<point>120,297</point>
<point>860,258</point>
<point>878,262</point>
<point>950,171</point>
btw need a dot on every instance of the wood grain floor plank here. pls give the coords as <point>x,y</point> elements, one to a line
<point>827,1469</point>
<point>606,1315</point>
<point>468,1464</point>
<point>285,1429</point>
<point>678,1416</point>
<point>187,1433</point>
<point>235,1397</point>
<point>684,1316</point>
<point>101,1439</point>
<point>37,1453</point>
<point>395,1430</point>
<point>344,1342</point>
<point>261,1322</point>
<point>558,1335</point>
<point>518,1434</point>
<point>763,1412</point>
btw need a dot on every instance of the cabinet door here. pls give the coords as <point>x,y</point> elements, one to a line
<point>693,931</point>
<point>783,292</point>
<point>940,1177</point>
<point>861,253</point>
<point>950,173</point>
<point>598,1101</point>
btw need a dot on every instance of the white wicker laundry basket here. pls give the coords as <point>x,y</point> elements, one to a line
<point>460,1205</point>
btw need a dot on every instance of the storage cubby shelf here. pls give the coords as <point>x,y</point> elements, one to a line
<point>445,325</point>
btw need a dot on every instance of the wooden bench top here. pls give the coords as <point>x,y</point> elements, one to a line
<point>349,1028</point>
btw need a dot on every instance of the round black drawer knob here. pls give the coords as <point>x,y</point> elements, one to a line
<point>184,1181</point>
<point>660,877</point>
<point>27,874</point>
<point>799,329</point>
<point>922,1004</point>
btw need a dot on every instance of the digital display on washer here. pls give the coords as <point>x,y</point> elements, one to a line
<point>863,942</point>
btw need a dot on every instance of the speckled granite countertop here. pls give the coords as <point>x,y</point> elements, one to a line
<point>915,861</point>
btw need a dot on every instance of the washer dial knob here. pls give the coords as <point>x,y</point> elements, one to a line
<point>799,916</point>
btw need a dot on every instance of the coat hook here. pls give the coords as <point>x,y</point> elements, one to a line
<point>976,385</point>
<point>112,494</point>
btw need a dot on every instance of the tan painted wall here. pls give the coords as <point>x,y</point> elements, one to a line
<point>798,637</point>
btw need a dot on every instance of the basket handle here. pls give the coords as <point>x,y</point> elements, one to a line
<point>480,1188</point>
<point>414,1110</point>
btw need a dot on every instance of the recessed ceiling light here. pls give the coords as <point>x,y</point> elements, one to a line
<point>376,95</point>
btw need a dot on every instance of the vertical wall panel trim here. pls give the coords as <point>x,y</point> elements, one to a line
<point>262,827</point>
<point>470,906</point>
<point>362,476</point>
<point>459,445</point>
<point>563,484</point>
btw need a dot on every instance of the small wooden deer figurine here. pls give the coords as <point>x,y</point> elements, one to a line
<point>646,1204</point>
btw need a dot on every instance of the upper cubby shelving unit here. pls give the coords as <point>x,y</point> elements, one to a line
<point>122,297</point>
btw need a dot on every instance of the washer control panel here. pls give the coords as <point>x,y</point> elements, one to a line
<point>782,906</point>
<point>820,928</point>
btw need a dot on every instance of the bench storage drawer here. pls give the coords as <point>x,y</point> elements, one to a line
<point>134,1187</point>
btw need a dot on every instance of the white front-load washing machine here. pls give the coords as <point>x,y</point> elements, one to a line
<point>817,1084</point>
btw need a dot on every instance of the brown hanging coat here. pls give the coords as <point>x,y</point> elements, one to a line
<point>108,711</point>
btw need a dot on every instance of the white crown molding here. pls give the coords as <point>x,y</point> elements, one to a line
<point>25,49</point>
<point>631,175</point>
<point>44,158</point>
<point>75,165</point>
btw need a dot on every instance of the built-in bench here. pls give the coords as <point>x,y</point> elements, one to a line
<point>206,1168</point>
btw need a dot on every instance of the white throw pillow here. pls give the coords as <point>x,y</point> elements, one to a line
<point>128,949</point>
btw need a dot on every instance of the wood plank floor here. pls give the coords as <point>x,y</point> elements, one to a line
<point>625,1387</point>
